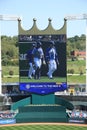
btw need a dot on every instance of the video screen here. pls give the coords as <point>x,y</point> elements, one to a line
<point>42,63</point>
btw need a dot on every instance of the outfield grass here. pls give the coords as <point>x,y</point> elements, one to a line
<point>44,79</point>
<point>77,66</point>
<point>43,127</point>
<point>78,79</point>
<point>6,69</point>
<point>10,79</point>
<point>13,79</point>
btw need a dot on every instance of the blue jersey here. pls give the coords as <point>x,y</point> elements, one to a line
<point>30,55</point>
<point>38,53</point>
<point>51,54</point>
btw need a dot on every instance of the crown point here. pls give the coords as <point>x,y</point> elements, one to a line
<point>49,19</point>
<point>34,19</point>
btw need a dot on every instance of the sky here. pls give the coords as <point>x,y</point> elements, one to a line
<point>57,10</point>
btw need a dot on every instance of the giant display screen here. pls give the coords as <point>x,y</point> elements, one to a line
<point>42,63</point>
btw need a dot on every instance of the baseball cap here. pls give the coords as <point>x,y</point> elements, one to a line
<point>52,43</point>
<point>33,44</point>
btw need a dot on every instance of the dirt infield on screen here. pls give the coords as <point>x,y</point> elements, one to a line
<point>43,126</point>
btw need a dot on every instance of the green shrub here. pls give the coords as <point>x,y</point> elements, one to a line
<point>11,72</point>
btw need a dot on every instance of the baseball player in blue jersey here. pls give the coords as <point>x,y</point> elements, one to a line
<point>30,61</point>
<point>52,59</point>
<point>38,56</point>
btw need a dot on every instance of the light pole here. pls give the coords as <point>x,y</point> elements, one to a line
<point>5,18</point>
<point>80,17</point>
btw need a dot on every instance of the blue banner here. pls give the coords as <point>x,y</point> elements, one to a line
<point>43,88</point>
<point>7,121</point>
